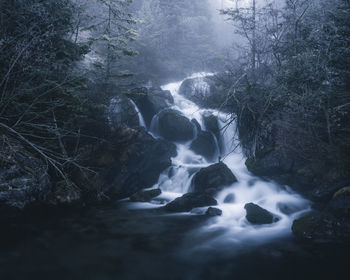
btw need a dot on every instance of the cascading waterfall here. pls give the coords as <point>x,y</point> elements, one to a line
<point>176,181</point>
<point>139,115</point>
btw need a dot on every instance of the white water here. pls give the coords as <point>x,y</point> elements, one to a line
<point>232,225</point>
<point>139,115</point>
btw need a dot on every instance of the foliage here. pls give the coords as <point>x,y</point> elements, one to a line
<point>41,102</point>
<point>300,102</point>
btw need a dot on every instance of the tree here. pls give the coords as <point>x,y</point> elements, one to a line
<point>41,101</point>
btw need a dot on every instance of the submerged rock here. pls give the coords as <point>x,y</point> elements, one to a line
<point>258,215</point>
<point>230,198</point>
<point>213,178</point>
<point>205,145</point>
<point>212,212</point>
<point>174,126</point>
<point>289,208</point>
<point>145,196</point>
<point>189,201</point>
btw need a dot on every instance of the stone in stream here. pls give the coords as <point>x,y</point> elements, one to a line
<point>213,178</point>
<point>151,101</point>
<point>230,198</point>
<point>145,196</point>
<point>211,124</point>
<point>196,123</point>
<point>205,145</point>
<point>189,201</point>
<point>258,215</point>
<point>212,212</point>
<point>174,126</point>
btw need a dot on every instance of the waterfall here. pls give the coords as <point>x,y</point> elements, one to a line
<point>141,119</point>
<point>176,181</point>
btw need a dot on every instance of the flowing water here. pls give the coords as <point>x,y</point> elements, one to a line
<point>127,241</point>
<point>232,225</point>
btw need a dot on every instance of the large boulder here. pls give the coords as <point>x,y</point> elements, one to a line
<point>145,196</point>
<point>189,201</point>
<point>322,227</point>
<point>205,145</point>
<point>135,162</point>
<point>213,178</point>
<point>211,124</point>
<point>151,101</point>
<point>258,215</point>
<point>340,203</point>
<point>205,91</point>
<point>174,126</point>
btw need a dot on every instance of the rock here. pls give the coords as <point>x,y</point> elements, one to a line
<point>151,101</point>
<point>340,203</point>
<point>289,208</point>
<point>269,163</point>
<point>23,181</point>
<point>212,212</point>
<point>230,198</point>
<point>160,99</point>
<point>205,145</point>
<point>173,126</point>
<point>213,178</point>
<point>122,111</point>
<point>203,91</point>
<point>66,193</point>
<point>189,201</point>
<point>145,196</point>
<point>322,227</point>
<point>139,161</point>
<point>258,215</point>
<point>197,125</point>
<point>211,124</point>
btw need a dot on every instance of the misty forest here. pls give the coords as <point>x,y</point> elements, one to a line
<point>174,139</point>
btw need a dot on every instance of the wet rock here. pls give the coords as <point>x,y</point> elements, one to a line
<point>189,201</point>
<point>160,99</point>
<point>212,212</point>
<point>139,160</point>
<point>213,178</point>
<point>151,101</point>
<point>230,198</point>
<point>321,227</point>
<point>258,215</point>
<point>145,196</point>
<point>122,111</point>
<point>203,91</point>
<point>174,126</point>
<point>211,124</point>
<point>340,203</point>
<point>205,145</point>
<point>197,125</point>
<point>269,164</point>
<point>289,208</point>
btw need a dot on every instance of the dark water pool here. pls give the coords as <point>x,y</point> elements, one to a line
<point>112,242</point>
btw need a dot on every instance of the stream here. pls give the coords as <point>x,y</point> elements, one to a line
<point>132,240</point>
